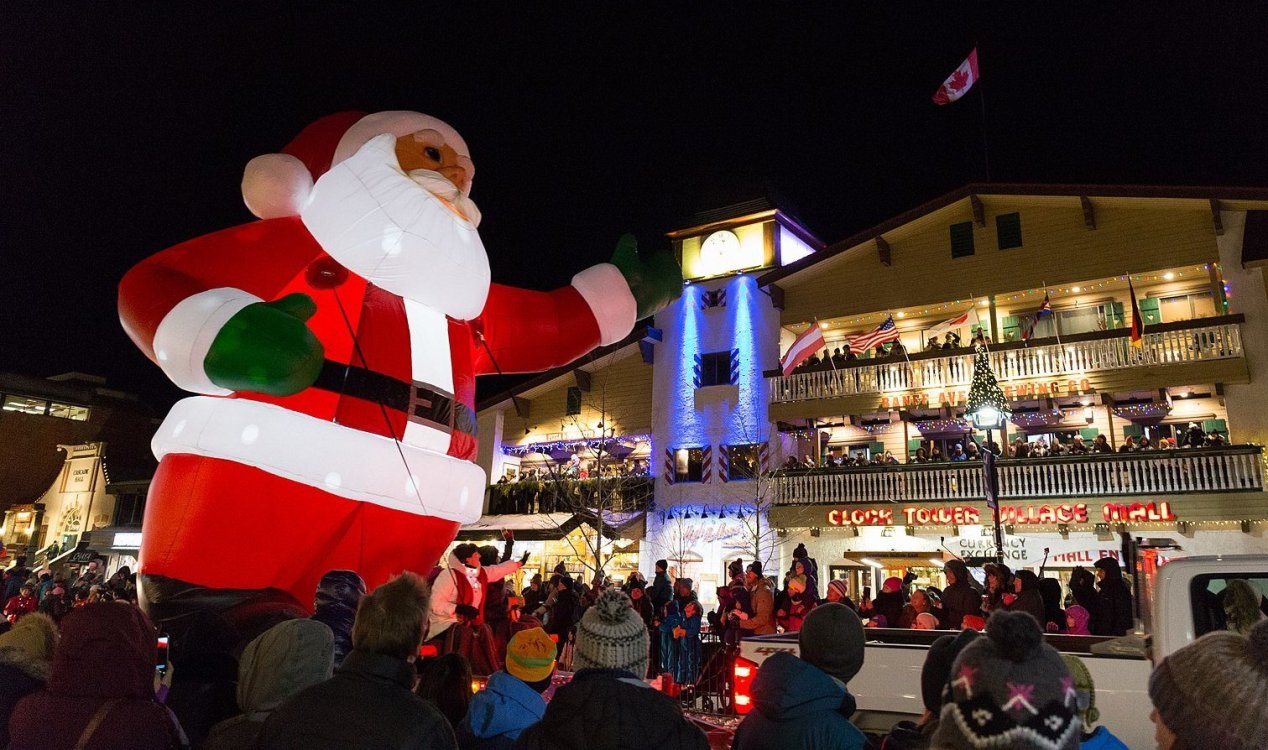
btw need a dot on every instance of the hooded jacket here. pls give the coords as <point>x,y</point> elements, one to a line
<point>26,657</point>
<point>661,592</point>
<point>279,663</point>
<point>1114,601</point>
<point>1029,600</point>
<point>797,706</point>
<point>107,651</point>
<point>446,591</point>
<point>335,605</point>
<point>762,599</point>
<point>960,598</point>
<point>499,713</point>
<point>613,710</point>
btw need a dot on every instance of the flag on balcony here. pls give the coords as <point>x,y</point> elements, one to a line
<point>1138,321</point>
<point>1045,309</point>
<point>966,318</point>
<point>959,82</point>
<point>809,342</point>
<point>881,334</point>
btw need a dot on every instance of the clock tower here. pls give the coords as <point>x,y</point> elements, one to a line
<point>746,237</point>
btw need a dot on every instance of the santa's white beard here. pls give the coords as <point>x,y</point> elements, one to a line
<point>440,186</point>
<point>395,231</point>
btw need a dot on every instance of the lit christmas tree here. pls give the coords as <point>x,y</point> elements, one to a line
<point>987,406</point>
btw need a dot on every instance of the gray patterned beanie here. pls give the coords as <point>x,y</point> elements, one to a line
<point>1009,689</point>
<point>611,635</point>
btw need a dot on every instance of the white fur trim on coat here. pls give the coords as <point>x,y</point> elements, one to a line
<point>184,336</point>
<point>608,294</point>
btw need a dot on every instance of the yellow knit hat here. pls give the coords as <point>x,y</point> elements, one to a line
<point>530,655</point>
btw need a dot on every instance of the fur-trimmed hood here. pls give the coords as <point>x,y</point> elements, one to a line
<point>26,663</point>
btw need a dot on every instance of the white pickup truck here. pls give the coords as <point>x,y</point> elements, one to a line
<point>1176,606</point>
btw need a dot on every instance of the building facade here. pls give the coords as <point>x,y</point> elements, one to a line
<point>747,461</point>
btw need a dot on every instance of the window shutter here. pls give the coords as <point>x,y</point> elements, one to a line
<point>1008,230</point>
<point>1089,433</point>
<point>913,446</point>
<point>1114,315</point>
<point>1149,310</point>
<point>961,239</point>
<point>1133,430</point>
<point>1011,329</point>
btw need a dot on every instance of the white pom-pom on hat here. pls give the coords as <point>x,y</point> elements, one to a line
<point>276,185</point>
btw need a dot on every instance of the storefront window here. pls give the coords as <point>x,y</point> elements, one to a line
<point>25,404</point>
<point>1186,307</point>
<point>68,411</point>
<point>742,460</point>
<point>688,464</point>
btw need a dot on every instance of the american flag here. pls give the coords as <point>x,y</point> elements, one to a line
<point>881,334</point>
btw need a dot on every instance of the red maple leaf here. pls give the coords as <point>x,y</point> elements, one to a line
<point>958,80</point>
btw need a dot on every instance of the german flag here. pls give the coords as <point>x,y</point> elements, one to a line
<point>1138,320</point>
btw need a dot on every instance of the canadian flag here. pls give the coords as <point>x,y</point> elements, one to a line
<point>802,348</point>
<point>959,82</point>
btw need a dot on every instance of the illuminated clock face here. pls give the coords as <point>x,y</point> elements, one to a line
<point>719,248</point>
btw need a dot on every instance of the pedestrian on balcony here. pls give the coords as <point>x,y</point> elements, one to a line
<point>1021,449</point>
<point>1194,437</point>
<point>1101,445</point>
<point>932,344</point>
<point>935,455</point>
<point>952,341</point>
<point>1077,447</point>
<point>1144,445</point>
<point>1215,440</point>
<point>972,452</point>
<point>957,452</point>
<point>921,457</point>
<point>1128,446</point>
<point>889,458</point>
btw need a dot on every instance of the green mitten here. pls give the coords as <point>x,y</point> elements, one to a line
<point>267,348</point>
<point>654,283</point>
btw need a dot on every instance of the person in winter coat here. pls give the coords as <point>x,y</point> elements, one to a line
<point>1077,620</point>
<point>1092,737</point>
<point>278,664</point>
<point>803,702</point>
<point>368,702</point>
<point>959,598</point>
<point>1025,597</point>
<point>534,594</point>
<point>445,682</point>
<point>999,581</point>
<point>511,700</point>
<point>919,605</point>
<point>680,633</point>
<point>563,612</point>
<point>458,594</point>
<point>1114,600</point>
<point>26,659</point>
<point>1083,590</point>
<point>1050,590</point>
<point>56,603</point>
<point>21,604</point>
<point>802,596</point>
<point>762,598</point>
<point>335,606</point>
<point>607,706</point>
<point>934,676</point>
<point>20,574</point>
<point>888,604</point>
<point>101,688</point>
<point>662,590</point>
<point>495,594</point>
<point>838,592</point>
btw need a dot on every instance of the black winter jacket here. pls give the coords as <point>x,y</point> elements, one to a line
<point>367,704</point>
<point>1113,602</point>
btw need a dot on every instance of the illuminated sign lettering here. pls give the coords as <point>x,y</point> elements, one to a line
<point>1048,514</point>
<point>1012,391</point>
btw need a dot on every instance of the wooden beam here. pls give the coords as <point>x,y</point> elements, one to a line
<point>882,249</point>
<point>583,379</point>
<point>1215,217</point>
<point>522,406</point>
<point>979,211</point>
<point>776,296</point>
<point>1089,213</point>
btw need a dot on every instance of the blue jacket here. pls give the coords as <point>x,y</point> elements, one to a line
<point>1101,739</point>
<point>797,707</point>
<point>499,713</point>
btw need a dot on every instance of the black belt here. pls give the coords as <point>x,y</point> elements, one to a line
<point>421,403</point>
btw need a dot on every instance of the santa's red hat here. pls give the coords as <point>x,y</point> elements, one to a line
<point>277,185</point>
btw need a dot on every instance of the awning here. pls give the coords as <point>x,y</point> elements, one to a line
<point>528,527</point>
<point>618,525</point>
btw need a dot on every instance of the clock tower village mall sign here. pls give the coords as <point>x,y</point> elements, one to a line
<point>966,515</point>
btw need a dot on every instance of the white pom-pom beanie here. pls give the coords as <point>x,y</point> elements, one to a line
<point>611,635</point>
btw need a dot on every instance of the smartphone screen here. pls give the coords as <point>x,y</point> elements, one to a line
<point>160,661</point>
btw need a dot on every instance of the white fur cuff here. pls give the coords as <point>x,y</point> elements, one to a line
<point>183,338</point>
<point>608,294</point>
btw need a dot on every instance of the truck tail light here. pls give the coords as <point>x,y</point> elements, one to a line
<point>744,672</point>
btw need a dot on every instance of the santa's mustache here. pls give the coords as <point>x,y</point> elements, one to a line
<point>440,186</point>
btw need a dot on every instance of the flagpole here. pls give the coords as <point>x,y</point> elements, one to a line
<point>981,97</point>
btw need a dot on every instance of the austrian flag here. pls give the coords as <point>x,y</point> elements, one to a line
<point>959,82</point>
<point>802,349</point>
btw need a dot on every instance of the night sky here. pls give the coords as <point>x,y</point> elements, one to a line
<point>126,126</point>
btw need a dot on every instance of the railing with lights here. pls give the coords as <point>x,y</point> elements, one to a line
<point>1163,472</point>
<point>1170,343</point>
<point>620,494</point>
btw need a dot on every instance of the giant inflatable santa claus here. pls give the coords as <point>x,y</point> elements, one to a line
<point>334,346</point>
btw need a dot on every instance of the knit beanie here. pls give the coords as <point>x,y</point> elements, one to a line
<point>839,587</point>
<point>1214,691</point>
<point>936,672</point>
<point>1009,689</point>
<point>892,584</point>
<point>34,636</point>
<point>611,635</point>
<point>1084,689</point>
<point>832,639</point>
<point>530,655</point>
<point>1080,616</point>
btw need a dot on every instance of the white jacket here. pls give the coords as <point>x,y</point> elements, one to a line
<point>444,592</point>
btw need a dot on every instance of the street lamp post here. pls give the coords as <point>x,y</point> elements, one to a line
<point>988,409</point>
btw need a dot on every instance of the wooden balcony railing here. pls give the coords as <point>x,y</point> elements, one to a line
<point>1171,343</point>
<point>1164,472</point>
<point>617,494</point>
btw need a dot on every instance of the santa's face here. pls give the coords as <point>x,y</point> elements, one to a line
<point>428,150</point>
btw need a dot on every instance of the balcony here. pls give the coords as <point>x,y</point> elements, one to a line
<point>1165,472</point>
<point>1203,340</point>
<point>614,494</point>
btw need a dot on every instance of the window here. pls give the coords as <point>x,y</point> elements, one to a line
<point>962,239</point>
<point>25,404</point>
<point>129,509</point>
<point>1186,307</point>
<point>742,461</point>
<point>1091,318</point>
<point>716,368</point>
<point>688,464</point>
<point>1220,604</point>
<point>68,411</point>
<point>574,401</point>
<point>1008,230</point>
